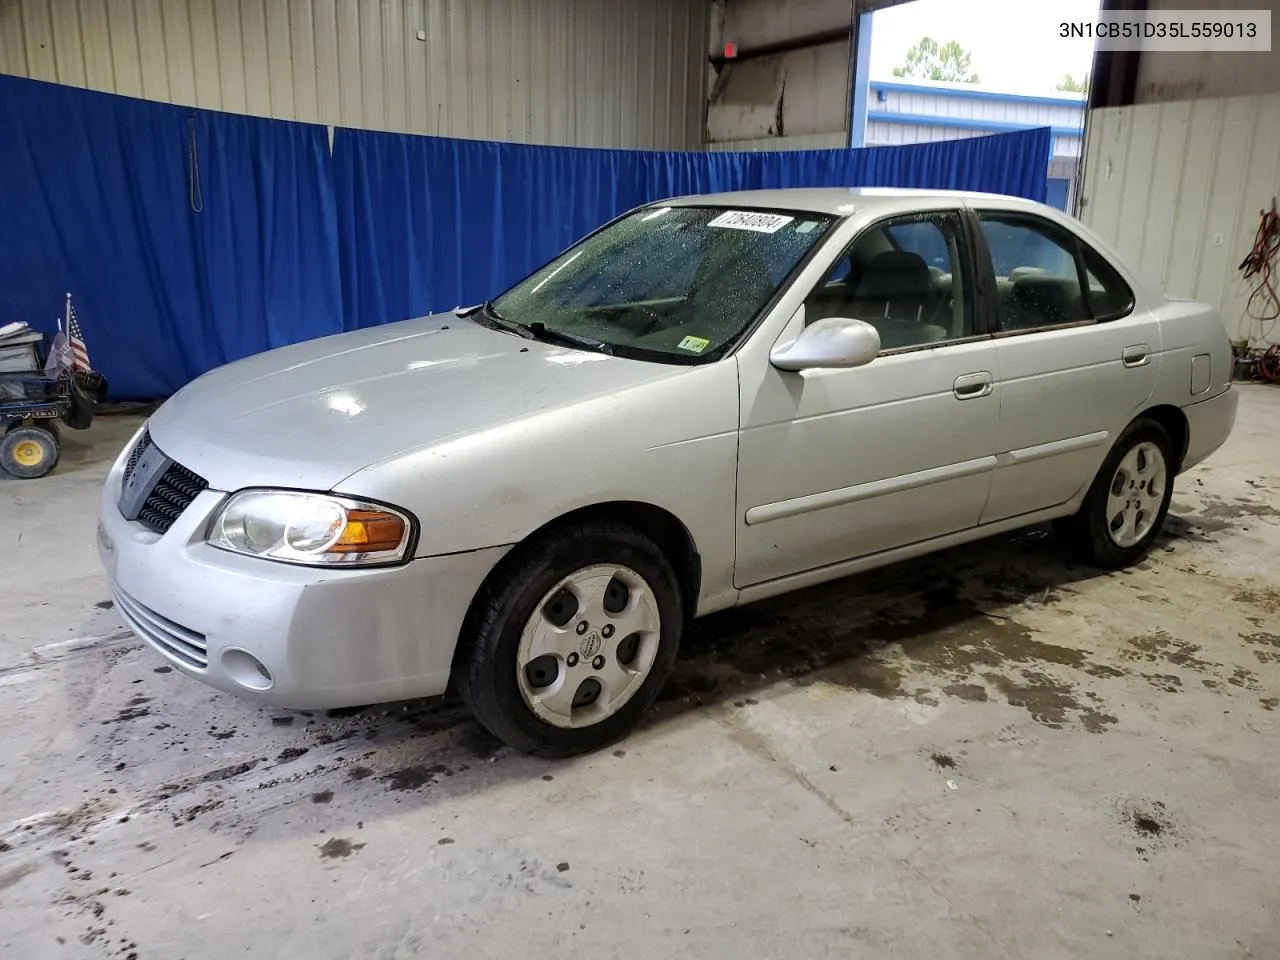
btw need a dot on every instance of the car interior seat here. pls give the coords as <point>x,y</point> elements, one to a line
<point>897,294</point>
<point>1042,300</point>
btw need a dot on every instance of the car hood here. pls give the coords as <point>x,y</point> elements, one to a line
<point>310,415</point>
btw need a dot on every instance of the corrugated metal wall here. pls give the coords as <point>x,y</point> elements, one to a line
<point>617,73</point>
<point>883,134</point>
<point>886,98</point>
<point>1177,188</point>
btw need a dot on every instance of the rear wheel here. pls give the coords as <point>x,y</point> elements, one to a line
<point>567,651</point>
<point>1125,508</point>
<point>29,452</point>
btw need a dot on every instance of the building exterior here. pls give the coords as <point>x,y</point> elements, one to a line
<point>922,111</point>
<point>780,92</point>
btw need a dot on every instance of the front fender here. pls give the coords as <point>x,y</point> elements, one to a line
<point>671,444</point>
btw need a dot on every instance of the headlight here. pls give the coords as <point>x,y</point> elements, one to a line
<point>310,528</point>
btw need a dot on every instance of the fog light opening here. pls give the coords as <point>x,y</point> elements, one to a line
<point>247,670</point>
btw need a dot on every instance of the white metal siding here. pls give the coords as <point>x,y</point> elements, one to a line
<point>1163,181</point>
<point>617,73</point>
<point>882,134</point>
<point>1070,114</point>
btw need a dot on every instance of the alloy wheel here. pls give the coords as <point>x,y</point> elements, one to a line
<point>588,646</point>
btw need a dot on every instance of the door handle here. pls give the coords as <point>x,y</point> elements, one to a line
<point>970,386</point>
<point>1138,355</point>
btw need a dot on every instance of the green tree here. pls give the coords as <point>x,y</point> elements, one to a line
<point>927,59</point>
<point>1070,84</point>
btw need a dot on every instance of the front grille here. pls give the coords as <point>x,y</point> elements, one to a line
<point>171,639</point>
<point>171,495</point>
<point>139,448</point>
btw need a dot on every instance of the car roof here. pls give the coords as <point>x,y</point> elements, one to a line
<point>843,201</point>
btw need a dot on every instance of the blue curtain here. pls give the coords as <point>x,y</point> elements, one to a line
<point>427,223</point>
<point>187,238</point>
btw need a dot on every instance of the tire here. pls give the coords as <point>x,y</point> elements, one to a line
<point>48,424</point>
<point>532,706</point>
<point>29,452</point>
<point>1139,470</point>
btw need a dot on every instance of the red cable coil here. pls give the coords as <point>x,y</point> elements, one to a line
<point>1268,367</point>
<point>1259,264</point>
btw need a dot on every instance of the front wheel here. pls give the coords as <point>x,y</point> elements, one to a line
<point>29,452</point>
<point>567,650</point>
<point>1125,508</point>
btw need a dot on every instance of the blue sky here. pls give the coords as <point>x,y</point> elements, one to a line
<point>1014,43</point>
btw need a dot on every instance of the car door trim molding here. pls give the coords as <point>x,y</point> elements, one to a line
<point>1056,447</point>
<point>782,509</point>
<point>933,345</point>
<point>1044,328</point>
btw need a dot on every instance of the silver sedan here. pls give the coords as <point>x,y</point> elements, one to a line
<point>708,401</point>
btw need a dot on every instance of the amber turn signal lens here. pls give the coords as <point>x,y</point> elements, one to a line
<point>370,531</point>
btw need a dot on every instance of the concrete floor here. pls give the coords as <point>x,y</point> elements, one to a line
<point>987,753</point>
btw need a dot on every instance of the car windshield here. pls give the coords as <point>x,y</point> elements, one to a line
<point>667,284</point>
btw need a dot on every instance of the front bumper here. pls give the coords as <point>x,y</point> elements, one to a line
<point>295,637</point>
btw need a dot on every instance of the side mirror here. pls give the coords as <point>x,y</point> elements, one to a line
<point>829,344</point>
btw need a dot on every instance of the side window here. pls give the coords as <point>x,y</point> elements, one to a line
<point>906,277</point>
<point>1109,296</point>
<point>924,238</point>
<point>841,279</point>
<point>1037,272</point>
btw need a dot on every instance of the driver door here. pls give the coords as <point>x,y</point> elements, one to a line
<point>844,463</point>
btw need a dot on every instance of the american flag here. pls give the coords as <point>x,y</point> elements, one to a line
<point>79,352</point>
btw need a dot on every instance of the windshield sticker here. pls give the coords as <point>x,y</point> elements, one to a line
<point>806,226</point>
<point>755,222</point>
<point>693,344</point>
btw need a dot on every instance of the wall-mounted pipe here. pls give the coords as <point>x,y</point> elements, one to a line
<point>785,46</point>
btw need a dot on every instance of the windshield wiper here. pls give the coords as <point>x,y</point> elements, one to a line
<point>545,333</point>
<point>489,317</point>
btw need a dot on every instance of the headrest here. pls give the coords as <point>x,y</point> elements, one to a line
<point>1019,273</point>
<point>895,275</point>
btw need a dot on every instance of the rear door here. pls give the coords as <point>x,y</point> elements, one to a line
<point>1077,361</point>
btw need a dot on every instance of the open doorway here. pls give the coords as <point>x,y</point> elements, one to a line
<point>942,70</point>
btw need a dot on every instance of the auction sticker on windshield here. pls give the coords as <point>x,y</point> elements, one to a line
<point>746,220</point>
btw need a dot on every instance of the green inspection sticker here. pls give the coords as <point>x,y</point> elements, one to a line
<point>693,344</point>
